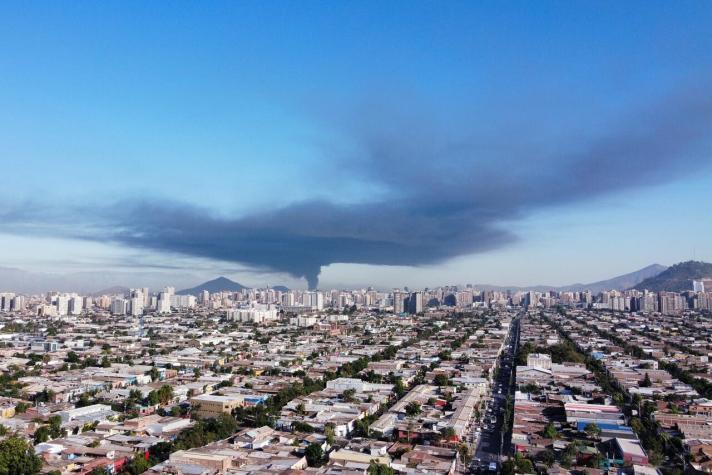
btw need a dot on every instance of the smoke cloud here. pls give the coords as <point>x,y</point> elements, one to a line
<point>447,193</point>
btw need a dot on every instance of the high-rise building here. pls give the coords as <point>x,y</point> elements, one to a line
<point>183,301</point>
<point>136,305</point>
<point>19,303</point>
<point>313,299</point>
<point>119,306</point>
<point>670,303</point>
<point>163,304</point>
<point>76,305</point>
<point>6,301</point>
<point>104,302</point>
<point>399,302</point>
<point>415,302</point>
<point>288,299</point>
<point>62,304</point>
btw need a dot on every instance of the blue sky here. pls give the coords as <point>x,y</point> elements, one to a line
<point>250,113</point>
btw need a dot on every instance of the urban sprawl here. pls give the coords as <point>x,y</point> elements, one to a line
<point>276,381</point>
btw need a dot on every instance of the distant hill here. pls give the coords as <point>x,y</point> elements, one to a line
<point>101,282</point>
<point>115,290</point>
<point>620,282</point>
<point>221,284</point>
<point>677,278</point>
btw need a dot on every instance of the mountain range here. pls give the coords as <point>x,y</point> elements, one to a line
<point>620,282</point>
<point>654,277</point>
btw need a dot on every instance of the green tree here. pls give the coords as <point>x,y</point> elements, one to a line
<point>645,383</point>
<point>464,452</point>
<point>412,409</point>
<point>655,458</point>
<point>161,451</point>
<point>592,430</point>
<point>42,434</point>
<point>363,427</point>
<point>636,425</point>
<point>550,431</point>
<point>17,457</point>
<point>399,387</point>
<point>83,400</point>
<point>547,457</point>
<point>447,432</point>
<point>441,380</point>
<point>523,464</point>
<point>163,395</point>
<point>375,468</point>
<point>507,467</point>
<point>300,426</point>
<point>155,374</point>
<point>314,454</point>
<point>46,395</point>
<point>137,465</point>
<point>329,433</point>
<point>445,355</point>
<point>55,426</point>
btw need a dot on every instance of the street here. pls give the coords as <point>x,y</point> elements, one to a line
<point>493,443</point>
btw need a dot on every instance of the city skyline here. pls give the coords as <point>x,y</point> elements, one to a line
<point>394,145</point>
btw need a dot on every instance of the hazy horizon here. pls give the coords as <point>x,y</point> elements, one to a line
<point>17,280</point>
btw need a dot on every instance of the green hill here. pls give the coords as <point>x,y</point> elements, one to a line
<point>677,278</point>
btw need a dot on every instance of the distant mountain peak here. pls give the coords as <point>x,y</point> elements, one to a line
<point>219,284</point>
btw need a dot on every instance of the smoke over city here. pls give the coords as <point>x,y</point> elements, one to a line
<point>445,194</point>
